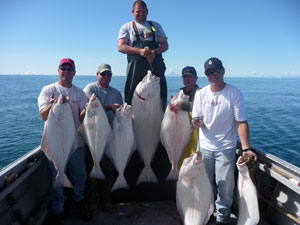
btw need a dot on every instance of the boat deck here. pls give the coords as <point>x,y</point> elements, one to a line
<point>140,213</point>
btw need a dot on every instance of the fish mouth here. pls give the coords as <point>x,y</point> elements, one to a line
<point>139,96</point>
<point>93,98</point>
<point>243,160</point>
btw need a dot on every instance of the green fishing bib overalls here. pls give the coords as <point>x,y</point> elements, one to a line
<point>138,67</point>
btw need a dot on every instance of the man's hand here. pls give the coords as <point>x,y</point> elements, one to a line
<point>112,107</point>
<point>175,107</point>
<point>145,52</point>
<point>197,122</point>
<point>249,154</point>
<point>151,56</point>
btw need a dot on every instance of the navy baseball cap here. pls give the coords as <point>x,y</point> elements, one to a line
<point>189,70</point>
<point>212,65</point>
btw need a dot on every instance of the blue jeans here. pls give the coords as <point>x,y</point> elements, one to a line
<point>77,174</point>
<point>220,167</point>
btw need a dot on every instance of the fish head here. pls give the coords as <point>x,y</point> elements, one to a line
<point>124,111</point>
<point>93,105</point>
<point>192,166</point>
<point>180,97</point>
<point>149,86</point>
<point>59,105</point>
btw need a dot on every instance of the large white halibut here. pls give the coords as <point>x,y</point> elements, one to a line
<point>194,194</point>
<point>147,114</point>
<point>59,139</point>
<point>247,195</point>
<point>96,132</point>
<point>175,133</point>
<point>122,144</point>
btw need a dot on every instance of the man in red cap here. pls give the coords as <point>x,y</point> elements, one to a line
<point>76,164</point>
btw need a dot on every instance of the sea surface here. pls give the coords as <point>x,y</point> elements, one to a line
<point>272,104</point>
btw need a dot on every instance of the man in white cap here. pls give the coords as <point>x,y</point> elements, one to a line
<point>220,113</point>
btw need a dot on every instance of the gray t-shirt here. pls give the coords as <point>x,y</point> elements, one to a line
<point>107,96</point>
<point>144,30</point>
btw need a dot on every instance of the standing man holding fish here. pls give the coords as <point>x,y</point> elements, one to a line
<point>109,97</point>
<point>76,164</point>
<point>219,112</point>
<point>189,78</point>
<point>144,42</point>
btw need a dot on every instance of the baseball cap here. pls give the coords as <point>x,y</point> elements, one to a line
<point>67,61</point>
<point>104,67</point>
<point>189,70</point>
<point>212,64</point>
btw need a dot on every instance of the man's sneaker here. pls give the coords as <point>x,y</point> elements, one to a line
<point>81,209</point>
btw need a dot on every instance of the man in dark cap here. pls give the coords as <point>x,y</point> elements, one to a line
<point>189,78</point>
<point>219,112</point>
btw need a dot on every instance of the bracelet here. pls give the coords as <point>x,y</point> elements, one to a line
<point>246,150</point>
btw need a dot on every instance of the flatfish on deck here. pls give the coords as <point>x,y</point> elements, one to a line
<point>247,195</point>
<point>194,194</point>
<point>147,114</point>
<point>96,131</point>
<point>122,144</point>
<point>59,138</point>
<point>175,133</point>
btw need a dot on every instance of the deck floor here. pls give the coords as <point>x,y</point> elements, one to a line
<point>139,213</point>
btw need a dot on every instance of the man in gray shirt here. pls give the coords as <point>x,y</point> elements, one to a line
<point>110,97</point>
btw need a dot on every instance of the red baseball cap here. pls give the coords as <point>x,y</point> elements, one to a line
<point>67,61</point>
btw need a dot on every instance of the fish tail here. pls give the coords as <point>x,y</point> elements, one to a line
<point>173,175</point>
<point>147,175</point>
<point>62,181</point>
<point>97,173</point>
<point>120,183</point>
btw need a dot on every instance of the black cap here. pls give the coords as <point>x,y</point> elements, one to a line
<point>189,70</point>
<point>212,64</point>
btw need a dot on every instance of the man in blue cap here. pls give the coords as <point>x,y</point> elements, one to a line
<point>220,112</point>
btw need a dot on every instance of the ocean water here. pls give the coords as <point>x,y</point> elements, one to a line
<point>272,104</point>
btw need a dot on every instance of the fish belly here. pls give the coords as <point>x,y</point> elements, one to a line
<point>175,135</point>
<point>58,141</point>
<point>119,151</point>
<point>147,117</point>
<point>248,203</point>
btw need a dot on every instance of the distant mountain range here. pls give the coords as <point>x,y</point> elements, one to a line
<point>172,74</point>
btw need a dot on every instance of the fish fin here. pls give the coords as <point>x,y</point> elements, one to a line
<point>147,176</point>
<point>81,131</point>
<point>120,183</point>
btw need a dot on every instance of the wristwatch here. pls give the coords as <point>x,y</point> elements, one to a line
<point>240,151</point>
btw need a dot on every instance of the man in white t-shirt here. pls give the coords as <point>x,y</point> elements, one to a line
<point>76,165</point>
<point>219,112</point>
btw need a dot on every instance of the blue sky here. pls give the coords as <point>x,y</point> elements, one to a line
<point>252,38</point>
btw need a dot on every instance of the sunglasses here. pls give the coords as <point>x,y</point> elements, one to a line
<point>106,73</point>
<point>66,69</point>
<point>216,72</point>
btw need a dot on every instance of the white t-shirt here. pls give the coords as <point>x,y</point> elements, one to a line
<point>76,96</point>
<point>144,30</point>
<point>221,110</point>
